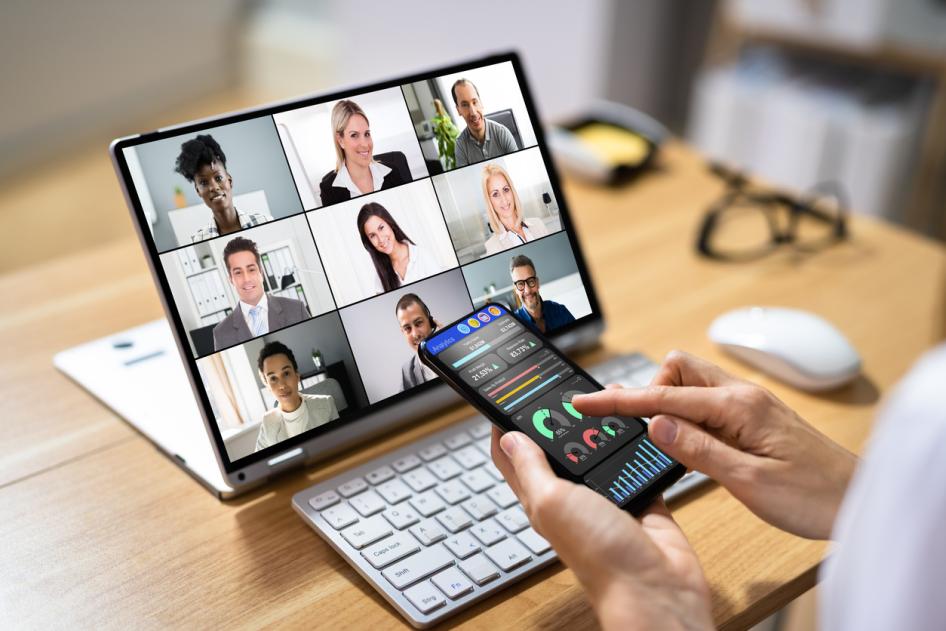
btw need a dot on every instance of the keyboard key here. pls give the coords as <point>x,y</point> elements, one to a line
<point>379,475</point>
<point>432,452</point>
<point>352,487</point>
<point>480,507</point>
<point>462,544</point>
<point>445,468</point>
<point>406,463</point>
<point>368,503</point>
<point>488,532</point>
<point>425,597</point>
<point>452,491</point>
<point>508,554</point>
<point>367,531</point>
<point>477,480</point>
<point>481,429</point>
<point>502,495</point>
<point>339,516</point>
<point>420,479</point>
<point>452,583</point>
<point>469,457</point>
<point>454,519</point>
<point>391,549</point>
<point>491,469</point>
<point>485,445</point>
<point>457,440</point>
<point>479,569</point>
<point>534,541</point>
<point>418,566</point>
<point>427,503</point>
<point>401,516</point>
<point>324,500</point>
<point>428,532</point>
<point>394,491</point>
<point>513,519</point>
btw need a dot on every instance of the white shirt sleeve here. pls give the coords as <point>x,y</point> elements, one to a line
<point>888,568</point>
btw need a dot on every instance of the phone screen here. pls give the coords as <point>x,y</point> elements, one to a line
<point>516,376</point>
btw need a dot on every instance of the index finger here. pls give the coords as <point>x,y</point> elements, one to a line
<point>696,404</point>
<point>682,369</point>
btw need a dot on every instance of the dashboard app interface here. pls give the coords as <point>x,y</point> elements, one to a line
<point>518,375</point>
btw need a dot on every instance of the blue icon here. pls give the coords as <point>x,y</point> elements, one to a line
<point>462,328</point>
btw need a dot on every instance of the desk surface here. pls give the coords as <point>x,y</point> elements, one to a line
<point>98,527</point>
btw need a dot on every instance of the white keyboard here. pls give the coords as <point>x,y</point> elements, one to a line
<point>433,526</point>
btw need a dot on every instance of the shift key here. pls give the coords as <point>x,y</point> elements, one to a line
<point>418,566</point>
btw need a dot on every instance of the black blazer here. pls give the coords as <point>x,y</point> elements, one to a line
<point>394,160</point>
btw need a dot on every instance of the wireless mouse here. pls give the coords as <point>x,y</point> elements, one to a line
<point>800,348</point>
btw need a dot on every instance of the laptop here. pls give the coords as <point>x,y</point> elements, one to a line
<point>301,250</point>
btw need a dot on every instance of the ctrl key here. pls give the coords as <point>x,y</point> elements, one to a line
<point>425,597</point>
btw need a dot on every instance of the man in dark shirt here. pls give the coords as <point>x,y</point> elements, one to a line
<point>542,315</point>
<point>482,139</point>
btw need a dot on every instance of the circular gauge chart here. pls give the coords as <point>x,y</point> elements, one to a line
<point>593,437</point>
<point>567,403</point>
<point>547,422</point>
<point>576,452</point>
<point>612,426</point>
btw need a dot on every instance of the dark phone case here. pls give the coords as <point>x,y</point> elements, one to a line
<point>637,505</point>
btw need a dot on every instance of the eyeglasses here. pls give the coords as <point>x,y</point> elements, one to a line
<point>532,281</point>
<point>748,222</point>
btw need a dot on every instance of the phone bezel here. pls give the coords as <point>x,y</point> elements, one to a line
<point>635,505</point>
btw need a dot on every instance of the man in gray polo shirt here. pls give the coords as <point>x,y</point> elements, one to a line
<point>482,138</point>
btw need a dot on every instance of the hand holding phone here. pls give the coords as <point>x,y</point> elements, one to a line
<point>520,381</point>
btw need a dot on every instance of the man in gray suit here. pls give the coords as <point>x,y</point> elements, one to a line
<point>256,313</point>
<point>416,323</point>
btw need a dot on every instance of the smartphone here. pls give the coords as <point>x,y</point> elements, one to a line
<point>520,381</point>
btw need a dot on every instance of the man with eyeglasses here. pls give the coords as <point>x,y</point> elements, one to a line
<point>542,315</point>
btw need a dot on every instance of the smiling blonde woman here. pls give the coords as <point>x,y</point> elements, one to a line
<point>504,210</point>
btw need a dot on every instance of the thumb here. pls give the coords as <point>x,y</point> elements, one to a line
<point>689,444</point>
<point>532,471</point>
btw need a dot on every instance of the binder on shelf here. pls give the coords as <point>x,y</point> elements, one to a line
<point>185,261</point>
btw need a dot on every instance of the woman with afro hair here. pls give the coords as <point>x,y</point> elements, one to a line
<point>203,163</point>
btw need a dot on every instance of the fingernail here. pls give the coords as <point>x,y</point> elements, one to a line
<point>665,430</point>
<point>509,443</point>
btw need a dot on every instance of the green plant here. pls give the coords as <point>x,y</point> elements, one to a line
<point>446,134</point>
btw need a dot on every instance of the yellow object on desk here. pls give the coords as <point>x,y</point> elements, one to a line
<point>614,145</point>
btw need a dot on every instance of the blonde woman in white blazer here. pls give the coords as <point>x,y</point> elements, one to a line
<point>504,210</point>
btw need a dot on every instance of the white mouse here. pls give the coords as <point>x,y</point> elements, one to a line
<point>797,347</point>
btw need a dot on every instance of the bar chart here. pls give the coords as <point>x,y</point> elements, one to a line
<point>636,471</point>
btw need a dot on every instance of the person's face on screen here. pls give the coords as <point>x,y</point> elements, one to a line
<point>215,186</point>
<point>415,325</point>
<point>501,199</point>
<point>380,235</point>
<point>356,141</point>
<point>529,296</point>
<point>246,276</point>
<point>281,379</point>
<point>470,108</point>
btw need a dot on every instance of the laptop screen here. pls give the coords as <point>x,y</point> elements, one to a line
<point>305,249</point>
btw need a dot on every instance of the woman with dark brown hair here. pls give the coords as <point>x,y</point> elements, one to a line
<point>397,260</point>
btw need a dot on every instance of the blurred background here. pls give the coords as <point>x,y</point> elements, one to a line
<point>796,91</point>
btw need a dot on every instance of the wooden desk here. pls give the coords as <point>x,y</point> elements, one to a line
<point>99,529</point>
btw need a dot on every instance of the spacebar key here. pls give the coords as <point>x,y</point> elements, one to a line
<point>418,566</point>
